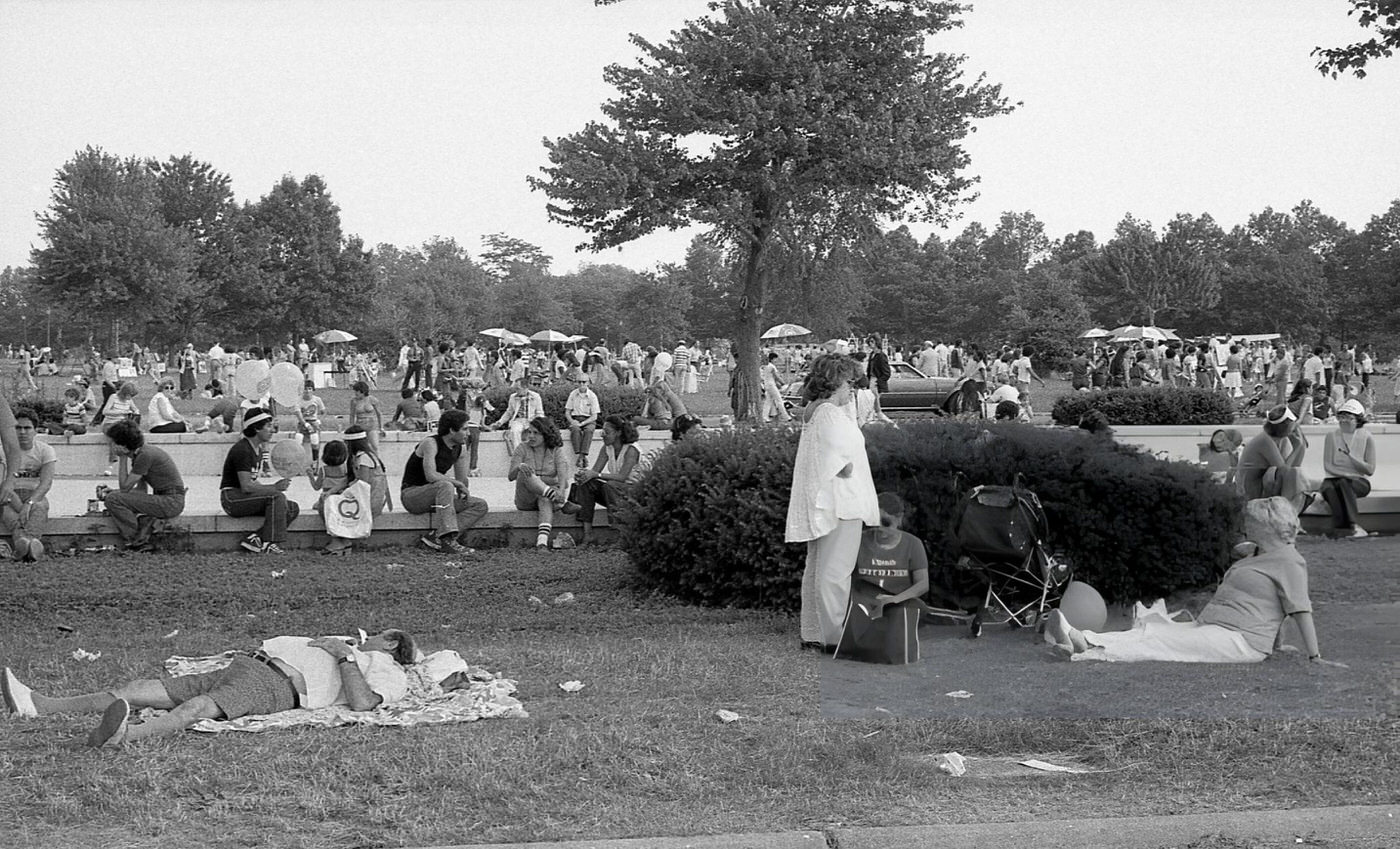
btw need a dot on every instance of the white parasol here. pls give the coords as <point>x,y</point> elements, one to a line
<point>783,331</point>
<point>332,337</point>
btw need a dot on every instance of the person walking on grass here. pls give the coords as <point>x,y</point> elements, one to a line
<point>282,673</point>
<point>428,488</point>
<point>240,493</point>
<point>149,487</point>
<point>1024,374</point>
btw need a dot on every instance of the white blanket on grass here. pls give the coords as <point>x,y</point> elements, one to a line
<point>442,688</point>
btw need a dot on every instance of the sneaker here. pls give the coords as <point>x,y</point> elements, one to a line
<point>569,508</point>
<point>1358,531</point>
<point>273,548</point>
<point>431,542</point>
<point>7,552</point>
<point>253,543</point>
<point>473,474</point>
<point>450,545</point>
<point>111,731</point>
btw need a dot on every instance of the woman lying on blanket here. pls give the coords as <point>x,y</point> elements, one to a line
<point>282,674</point>
<point>1243,623</point>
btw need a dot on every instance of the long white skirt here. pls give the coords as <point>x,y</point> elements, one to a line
<point>1183,642</point>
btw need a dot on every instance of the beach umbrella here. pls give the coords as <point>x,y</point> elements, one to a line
<point>332,337</point>
<point>1136,333</point>
<point>550,336</point>
<point>509,337</point>
<point>783,331</point>
<point>1096,333</point>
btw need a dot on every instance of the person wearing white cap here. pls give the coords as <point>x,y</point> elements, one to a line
<point>240,493</point>
<point>1348,461</point>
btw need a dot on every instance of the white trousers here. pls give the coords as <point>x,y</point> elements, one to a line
<point>1184,642</point>
<point>826,582</point>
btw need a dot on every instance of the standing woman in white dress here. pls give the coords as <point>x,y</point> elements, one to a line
<point>832,499</point>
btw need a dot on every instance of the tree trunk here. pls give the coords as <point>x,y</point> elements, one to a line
<point>748,390</point>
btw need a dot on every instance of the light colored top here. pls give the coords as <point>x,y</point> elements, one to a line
<point>531,409</point>
<point>319,668</point>
<point>831,439</point>
<point>582,402</point>
<point>160,411</point>
<point>1257,593</point>
<point>31,463</point>
<point>616,461</point>
<point>1335,450</point>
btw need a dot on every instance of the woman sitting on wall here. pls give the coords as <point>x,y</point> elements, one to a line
<point>1348,461</point>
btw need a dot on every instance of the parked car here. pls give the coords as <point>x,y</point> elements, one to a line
<point>910,391</point>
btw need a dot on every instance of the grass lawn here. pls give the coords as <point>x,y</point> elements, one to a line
<point>639,751</point>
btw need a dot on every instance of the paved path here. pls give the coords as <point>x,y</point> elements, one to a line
<point>1354,827</point>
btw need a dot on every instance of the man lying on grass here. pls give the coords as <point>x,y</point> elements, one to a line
<point>283,673</point>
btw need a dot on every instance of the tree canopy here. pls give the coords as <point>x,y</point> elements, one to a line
<point>1384,15</point>
<point>774,115</point>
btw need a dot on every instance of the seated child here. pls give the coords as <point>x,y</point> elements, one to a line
<point>432,410</point>
<point>75,419</point>
<point>887,587</point>
<point>1221,456</point>
<point>332,474</point>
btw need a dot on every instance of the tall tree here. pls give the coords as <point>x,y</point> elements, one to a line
<point>109,254</point>
<point>597,296</point>
<point>1138,276</point>
<point>320,278</point>
<point>500,253</point>
<point>806,109</point>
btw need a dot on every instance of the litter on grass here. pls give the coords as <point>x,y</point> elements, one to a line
<point>571,686</point>
<point>1046,766</point>
<point>171,635</point>
<point>952,763</point>
<point>727,716</point>
<point>276,574</point>
<point>959,694</point>
<point>537,601</point>
<point>564,598</point>
<point>84,654</point>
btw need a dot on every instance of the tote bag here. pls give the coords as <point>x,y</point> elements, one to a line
<point>348,514</point>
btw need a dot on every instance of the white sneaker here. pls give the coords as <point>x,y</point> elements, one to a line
<point>19,699</point>
<point>1358,531</point>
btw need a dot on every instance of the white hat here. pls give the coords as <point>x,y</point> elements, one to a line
<point>1353,406</point>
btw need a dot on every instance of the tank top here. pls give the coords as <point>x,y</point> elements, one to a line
<point>446,459</point>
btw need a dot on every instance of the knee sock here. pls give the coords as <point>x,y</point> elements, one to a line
<point>88,703</point>
<point>542,538</point>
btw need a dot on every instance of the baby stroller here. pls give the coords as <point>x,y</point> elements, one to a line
<point>1000,533</point>
<point>1253,405</point>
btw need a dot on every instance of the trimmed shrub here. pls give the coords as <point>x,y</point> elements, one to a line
<point>1147,406</point>
<point>619,400</point>
<point>707,522</point>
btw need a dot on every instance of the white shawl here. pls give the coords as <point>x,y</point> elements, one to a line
<point>819,498</point>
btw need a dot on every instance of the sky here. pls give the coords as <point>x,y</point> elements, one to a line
<point>426,116</point>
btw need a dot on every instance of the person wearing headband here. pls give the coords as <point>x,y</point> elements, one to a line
<point>1269,464</point>
<point>240,493</point>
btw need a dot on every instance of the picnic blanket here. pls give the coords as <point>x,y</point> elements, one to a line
<point>442,688</point>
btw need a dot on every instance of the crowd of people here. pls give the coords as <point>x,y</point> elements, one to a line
<point>443,395</point>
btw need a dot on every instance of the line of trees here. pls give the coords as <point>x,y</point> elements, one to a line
<point>159,253</point>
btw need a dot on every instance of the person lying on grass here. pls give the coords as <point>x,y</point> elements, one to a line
<point>1242,623</point>
<point>283,673</point>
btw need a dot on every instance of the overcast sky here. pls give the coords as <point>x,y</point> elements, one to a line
<point>426,117</point>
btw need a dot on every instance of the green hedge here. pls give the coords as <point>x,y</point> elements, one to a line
<point>707,522</point>
<point>1147,406</point>
<point>619,400</point>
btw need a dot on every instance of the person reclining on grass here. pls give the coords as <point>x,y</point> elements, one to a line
<point>283,673</point>
<point>1243,623</point>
